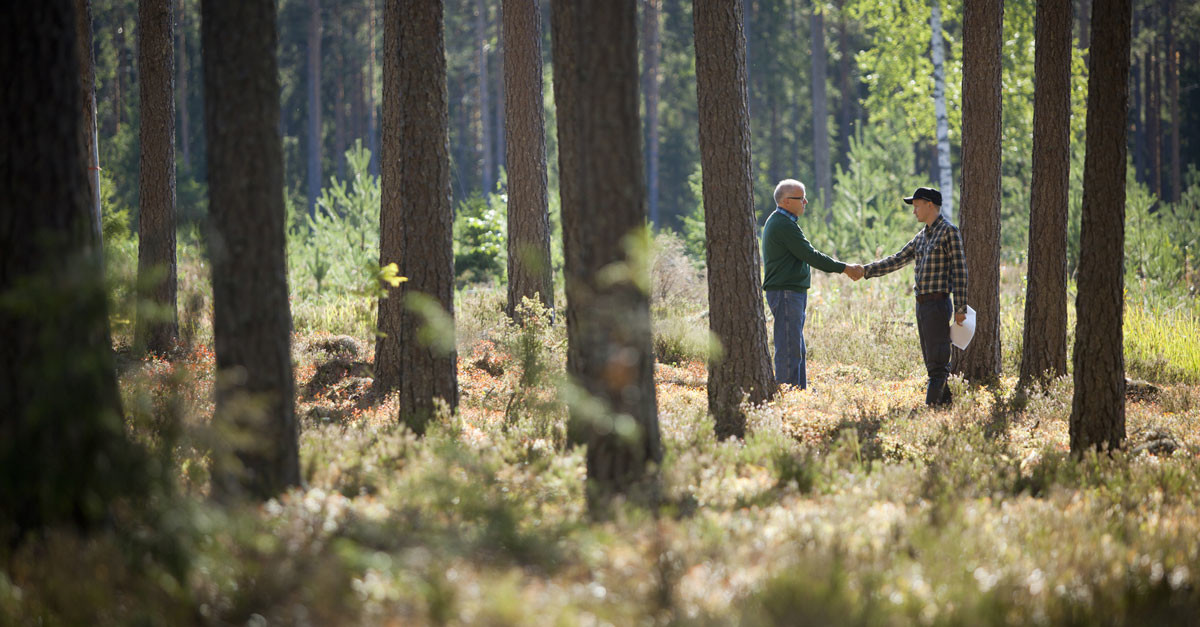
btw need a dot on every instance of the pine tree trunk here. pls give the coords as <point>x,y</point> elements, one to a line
<point>1154,111</point>
<point>487,159</point>
<point>945,173</point>
<point>652,79</point>
<point>609,351</point>
<point>498,113</point>
<point>182,71</point>
<point>119,73</point>
<point>314,105</point>
<point>848,98</point>
<point>252,325</point>
<point>980,207</point>
<point>372,120</point>
<point>64,457</point>
<point>1085,25</point>
<point>1174,165</point>
<point>1044,351</point>
<point>87,127</point>
<point>1098,408</point>
<point>734,285</point>
<point>1137,123</point>
<point>339,97</point>
<point>416,224</point>
<point>157,328</point>
<point>824,175</point>
<point>529,271</point>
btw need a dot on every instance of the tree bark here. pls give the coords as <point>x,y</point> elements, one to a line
<point>651,80</point>
<point>485,108</point>
<point>1044,351</point>
<point>823,174</point>
<point>339,95</point>
<point>182,71</point>
<point>945,172</point>
<point>498,111</point>
<point>372,120</point>
<point>603,203</point>
<point>64,457</point>
<point>980,209</point>
<point>416,224</point>
<point>1154,109</point>
<point>734,285</point>
<point>1174,165</point>
<point>529,271</point>
<point>158,326</point>
<point>848,98</point>
<point>1098,407</point>
<point>314,104</point>
<point>252,325</point>
<point>87,127</point>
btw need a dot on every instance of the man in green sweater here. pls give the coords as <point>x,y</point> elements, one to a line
<point>787,255</point>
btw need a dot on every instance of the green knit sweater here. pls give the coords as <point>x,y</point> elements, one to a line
<point>787,255</point>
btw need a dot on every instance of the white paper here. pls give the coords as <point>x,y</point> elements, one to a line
<point>960,335</point>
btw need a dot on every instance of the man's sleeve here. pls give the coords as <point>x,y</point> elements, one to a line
<point>892,263</point>
<point>958,271</point>
<point>798,245</point>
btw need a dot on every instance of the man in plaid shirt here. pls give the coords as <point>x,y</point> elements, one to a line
<point>941,270</point>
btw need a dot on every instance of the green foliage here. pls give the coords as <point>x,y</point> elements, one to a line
<point>338,245</point>
<point>480,239</point>
<point>869,217</point>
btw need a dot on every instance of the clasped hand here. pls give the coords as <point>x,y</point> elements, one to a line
<point>854,271</point>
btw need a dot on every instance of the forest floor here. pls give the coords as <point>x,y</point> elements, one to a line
<point>848,503</point>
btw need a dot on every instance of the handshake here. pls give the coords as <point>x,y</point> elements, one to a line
<point>854,271</point>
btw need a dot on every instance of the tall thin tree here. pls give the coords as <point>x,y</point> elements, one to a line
<point>158,321</point>
<point>183,72</point>
<point>945,172</point>
<point>983,23</point>
<point>651,80</point>
<point>820,103</point>
<point>1098,406</point>
<point>487,157</point>
<point>314,104</point>
<point>529,271</point>
<point>1174,190</point>
<point>64,457</point>
<point>87,87</point>
<point>604,203</point>
<point>415,222</point>
<point>743,370</point>
<point>1044,350</point>
<point>252,325</point>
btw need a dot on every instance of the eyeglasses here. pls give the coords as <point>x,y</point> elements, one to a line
<point>797,198</point>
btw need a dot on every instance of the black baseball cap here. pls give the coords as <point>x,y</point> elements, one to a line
<point>932,195</point>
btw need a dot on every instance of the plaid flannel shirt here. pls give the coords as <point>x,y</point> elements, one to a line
<point>941,263</point>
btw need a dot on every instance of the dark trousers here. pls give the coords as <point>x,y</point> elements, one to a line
<point>788,309</point>
<point>933,325</point>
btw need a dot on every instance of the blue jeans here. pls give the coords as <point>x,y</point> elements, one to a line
<point>788,308</point>
<point>933,325</point>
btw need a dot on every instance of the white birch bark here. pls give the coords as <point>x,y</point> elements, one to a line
<point>946,181</point>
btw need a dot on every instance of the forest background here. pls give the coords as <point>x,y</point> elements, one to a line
<point>876,89</point>
<point>847,504</point>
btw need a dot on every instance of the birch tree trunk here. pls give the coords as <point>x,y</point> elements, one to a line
<point>945,171</point>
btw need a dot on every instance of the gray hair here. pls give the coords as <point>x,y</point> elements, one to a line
<point>782,188</point>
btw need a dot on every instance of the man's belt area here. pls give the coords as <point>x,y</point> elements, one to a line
<point>925,298</point>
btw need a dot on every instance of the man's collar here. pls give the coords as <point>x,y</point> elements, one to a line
<point>790,216</point>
